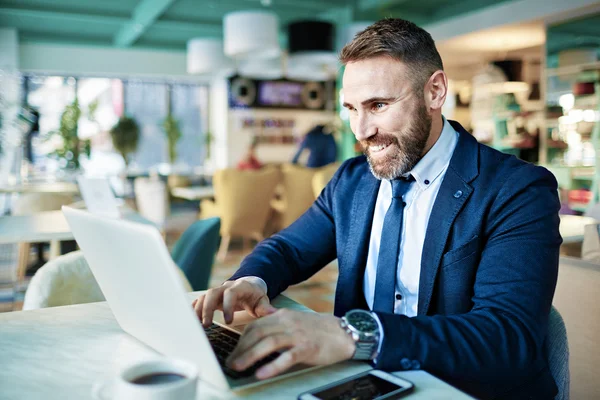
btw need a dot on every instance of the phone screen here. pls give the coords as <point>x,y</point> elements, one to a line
<point>365,387</point>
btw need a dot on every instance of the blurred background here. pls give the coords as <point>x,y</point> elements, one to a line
<point>186,110</point>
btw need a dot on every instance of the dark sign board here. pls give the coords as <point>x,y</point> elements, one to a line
<point>281,93</point>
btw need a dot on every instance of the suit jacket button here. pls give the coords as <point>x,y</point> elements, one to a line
<point>405,363</point>
<point>416,364</point>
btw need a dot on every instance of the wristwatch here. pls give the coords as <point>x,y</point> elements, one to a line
<point>363,328</point>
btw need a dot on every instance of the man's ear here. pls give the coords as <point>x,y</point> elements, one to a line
<point>436,90</point>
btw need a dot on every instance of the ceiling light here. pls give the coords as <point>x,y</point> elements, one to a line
<point>251,34</point>
<point>205,56</point>
<point>311,48</point>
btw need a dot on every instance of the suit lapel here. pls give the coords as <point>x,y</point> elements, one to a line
<point>349,289</point>
<point>454,192</point>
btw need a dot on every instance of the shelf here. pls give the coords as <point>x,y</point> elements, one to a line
<point>572,69</point>
<point>586,101</point>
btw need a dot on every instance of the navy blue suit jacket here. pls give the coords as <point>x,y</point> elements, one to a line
<point>488,271</point>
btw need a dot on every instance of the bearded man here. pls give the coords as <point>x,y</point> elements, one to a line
<point>447,249</point>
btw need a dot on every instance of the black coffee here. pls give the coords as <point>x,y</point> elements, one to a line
<point>157,378</point>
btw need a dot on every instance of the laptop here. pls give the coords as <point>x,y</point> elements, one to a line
<point>98,196</point>
<point>135,271</point>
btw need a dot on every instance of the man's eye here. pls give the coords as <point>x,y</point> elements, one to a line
<point>379,106</point>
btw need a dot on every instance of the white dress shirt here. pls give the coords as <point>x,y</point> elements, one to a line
<point>429,174</point>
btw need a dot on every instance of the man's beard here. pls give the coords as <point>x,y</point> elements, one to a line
<point>404,155</point>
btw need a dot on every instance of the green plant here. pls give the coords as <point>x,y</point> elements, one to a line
<point>171,126</point>
<point>125,137</point>
<point>71,146</point>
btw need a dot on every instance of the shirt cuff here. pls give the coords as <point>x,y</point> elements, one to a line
<point>380,336</point>
<point>262,284</point>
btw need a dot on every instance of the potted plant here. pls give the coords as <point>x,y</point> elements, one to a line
<point>171,126</point>
<point>125,137</point>
<point>71,147</point>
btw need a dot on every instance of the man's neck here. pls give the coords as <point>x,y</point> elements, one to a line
<point>437,124</point>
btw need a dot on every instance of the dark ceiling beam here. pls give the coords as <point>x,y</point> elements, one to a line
<point>144,15</point>
<point>365,5</point>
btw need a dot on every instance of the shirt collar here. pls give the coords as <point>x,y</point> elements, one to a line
<point>437,159</point>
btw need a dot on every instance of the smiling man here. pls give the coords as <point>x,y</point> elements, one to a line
<point>447,249</point>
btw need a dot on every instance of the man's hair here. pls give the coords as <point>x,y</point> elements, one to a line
<point>401,40</point>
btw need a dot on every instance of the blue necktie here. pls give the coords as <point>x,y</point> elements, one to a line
<point>387,264</point>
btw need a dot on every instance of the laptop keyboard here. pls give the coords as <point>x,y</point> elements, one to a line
<point>223,341</point>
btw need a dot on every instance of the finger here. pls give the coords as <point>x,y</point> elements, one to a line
<point>254,333</point>
<point>212,301</point>
<point>286,360</point>
<point>262,349</point>
<point>197,304</point>
<point>230,297</point>
<point>264,307</point>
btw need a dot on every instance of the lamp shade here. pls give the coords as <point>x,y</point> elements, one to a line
<point>205,56</point>
<point>251,34</point>
<point>311,47</point>
<point>310,36</point>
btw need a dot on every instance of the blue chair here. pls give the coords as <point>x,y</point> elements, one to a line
<point>195,251</point>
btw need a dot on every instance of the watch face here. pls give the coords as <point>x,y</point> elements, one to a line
<point>362,321</point>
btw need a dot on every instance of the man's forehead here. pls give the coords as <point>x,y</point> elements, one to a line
<point>377,77</point>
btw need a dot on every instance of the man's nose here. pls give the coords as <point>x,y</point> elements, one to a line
<point>364,127</point>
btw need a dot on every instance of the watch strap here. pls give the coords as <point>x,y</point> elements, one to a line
<point>365,350</point>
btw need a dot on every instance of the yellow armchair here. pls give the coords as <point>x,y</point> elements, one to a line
<point>297,194</point>
<point>322,178</point>
<point>242,201</point>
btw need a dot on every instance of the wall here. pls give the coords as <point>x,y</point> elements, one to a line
<point>218,124</point>
<point>240,138</point>
<point>9,40</point>
<point>100,61</point>
<point>232,139</point>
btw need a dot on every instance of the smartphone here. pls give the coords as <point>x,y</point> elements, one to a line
<point>370,385</point>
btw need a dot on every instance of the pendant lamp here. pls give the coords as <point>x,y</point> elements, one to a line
<point>251,34</point>
<point>311,47</point>
<point>205,56</point>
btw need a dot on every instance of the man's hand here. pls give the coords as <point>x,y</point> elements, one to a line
<point>309,338</point>
<point>233,296</point>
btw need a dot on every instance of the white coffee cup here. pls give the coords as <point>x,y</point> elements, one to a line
<point>157,380</point>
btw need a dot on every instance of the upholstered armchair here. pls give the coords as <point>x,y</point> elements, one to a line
<point>242,201</point>
<point>322,178</point>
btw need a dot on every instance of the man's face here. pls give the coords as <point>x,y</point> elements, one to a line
<point>388,118</point>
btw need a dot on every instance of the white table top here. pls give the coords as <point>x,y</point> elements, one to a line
<point>60,353</point>
<point>572,227</point>
<point>45,226</point>
<point>40,187</point>
<point>194,192</point>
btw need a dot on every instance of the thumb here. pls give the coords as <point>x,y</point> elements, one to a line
<point>264,307</point>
